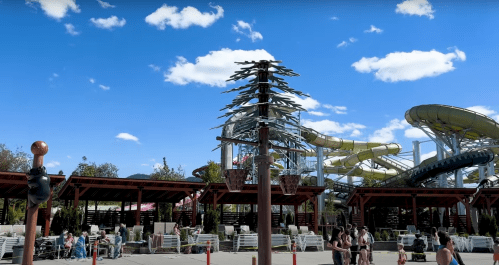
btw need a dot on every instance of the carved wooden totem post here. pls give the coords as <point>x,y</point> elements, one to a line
<point>39,192</point>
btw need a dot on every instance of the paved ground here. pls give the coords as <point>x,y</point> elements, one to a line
<point>240,258</point>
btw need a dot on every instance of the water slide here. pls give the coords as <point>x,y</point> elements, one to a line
<point>357,151</point>
<point>448,120</point>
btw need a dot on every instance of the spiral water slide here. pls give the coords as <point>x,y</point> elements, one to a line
<point>448,120</point>
<point>355,151</point>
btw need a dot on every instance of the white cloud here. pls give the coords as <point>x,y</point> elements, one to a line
<point>336,109</point>
<point>105,4</point>
<point>146,165</point>
<point>332,127</point>
<point>55,75</point>
<point>214,68</point>
<point>189,16</point>
<point>343,43</point>
<point>307,103</point>
<point>335,18</point>
<point>91,80</point>
<point>428,155</point>
<point>415,133</point>
<point>71,29</point>
<point>155,68</point>
<point>409,66</point>
<point>238,39</point>
<point>157,166</point>
<point>103,87</point>
<point>52,164</point>
<point>245,29</point>
<point>69,157</point>
<point>355,133</point>
<point>386,135</point>
<point>352,39</point>
<point>373,29</point>
<point>56,9</point>
<point>317,113</point>
<point>416,7</point>
<point>127,137</point>
<point>108,23</point>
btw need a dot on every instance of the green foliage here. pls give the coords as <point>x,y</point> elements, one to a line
<point>487,224</point>
<point>212,174</point>
<point>211,221</point>
<point>137,236</point>
<point>396,234</point>
<point>167,173</point>
<point>466,235</point>
<point>165,212</point>
<point>385,236</point>
<point>17,161</point>
<point>377,236</point>
<point>38,235</point>
<point>183,235</point>
<point>221,236</point>
<point>289,219</point>
<point>13,216</point>
<point>299,231</point>
<point>90,169</point>
<point>67,219</point>
<point>372,181</point>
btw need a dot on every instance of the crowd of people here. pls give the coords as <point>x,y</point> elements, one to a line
<point>351,242</point>
<point>82,246</point>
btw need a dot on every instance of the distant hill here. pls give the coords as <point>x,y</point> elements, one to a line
<point>193,179</point>
<point>139,176</point>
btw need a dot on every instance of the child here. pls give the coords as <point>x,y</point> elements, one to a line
<point>402,255</point>
<point>496,251</point>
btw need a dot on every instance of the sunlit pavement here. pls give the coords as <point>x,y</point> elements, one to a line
<point>240,258</point>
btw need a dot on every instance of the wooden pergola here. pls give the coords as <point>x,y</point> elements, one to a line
<point>218,193</point>
<point>129,190</point>
<point>410,198</point>
<point>486,198</point>
<point>14,185</point>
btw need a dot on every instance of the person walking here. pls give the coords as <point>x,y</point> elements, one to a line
<point>335,244</point>
<point>445,255</point>
<point>371,243</point>
<point>124,235</point>
<point>355,245</point>
<point>434,237</point>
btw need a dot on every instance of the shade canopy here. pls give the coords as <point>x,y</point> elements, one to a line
<point>15,184</point>
<point>121,189</point>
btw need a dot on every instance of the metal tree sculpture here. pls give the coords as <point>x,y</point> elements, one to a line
<point>264,124</point>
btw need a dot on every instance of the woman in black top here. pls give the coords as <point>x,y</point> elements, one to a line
<point>335,244</point>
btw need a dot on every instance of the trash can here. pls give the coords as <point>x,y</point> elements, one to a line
<point>17,254</point>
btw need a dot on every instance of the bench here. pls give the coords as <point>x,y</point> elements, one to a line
<point>8,242</point>
<point>294,230</point>
<point>202,240</point>
<point>169,241</point>
<point>280,240</point>
<point>228,230</point>
<point>481,242</point>
<point>304,241</point>
<point>245,240</point>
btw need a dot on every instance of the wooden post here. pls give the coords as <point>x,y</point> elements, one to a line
<point>487,199</point>
<point>295,206</point>
<point>122,219</point>
<point>431,216</point>
<point>280,211</point>
<point>468,218</point>
<point>139,202</point>
<point>86,211</point>
<point>77,196</point>
<point>316,215</point>
<point>414,215</point>
<point>221,213</point>
<point>5,209</point>
<point>48,213</point>
<point>194,201</point>
<point>361,210</point>
<point>39,149</point>
<point>156,209</point>
<point>215,193</point>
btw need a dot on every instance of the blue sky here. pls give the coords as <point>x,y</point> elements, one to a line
<point>131,82</point>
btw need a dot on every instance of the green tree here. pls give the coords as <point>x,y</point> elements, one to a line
<point>17,161</point>
<point>90,169</point>
<point>166,173</point>
<point>212,174</point>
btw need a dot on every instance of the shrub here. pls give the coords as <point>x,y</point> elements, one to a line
<point>13,216</point>
<point>137,236</point>
<point>299,231</point>
<point>487,224</point>
<point>183,235</point>
<point>211,221</point>
<point>377,236</point>
<point>221,236</point>
<point>385,236</point>
<point>396,234</point>
<point>289,219</point>
<point>466,235</point>
<point>67,219</point>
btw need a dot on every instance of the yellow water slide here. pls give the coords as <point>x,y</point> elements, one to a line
<point>358,151</point>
